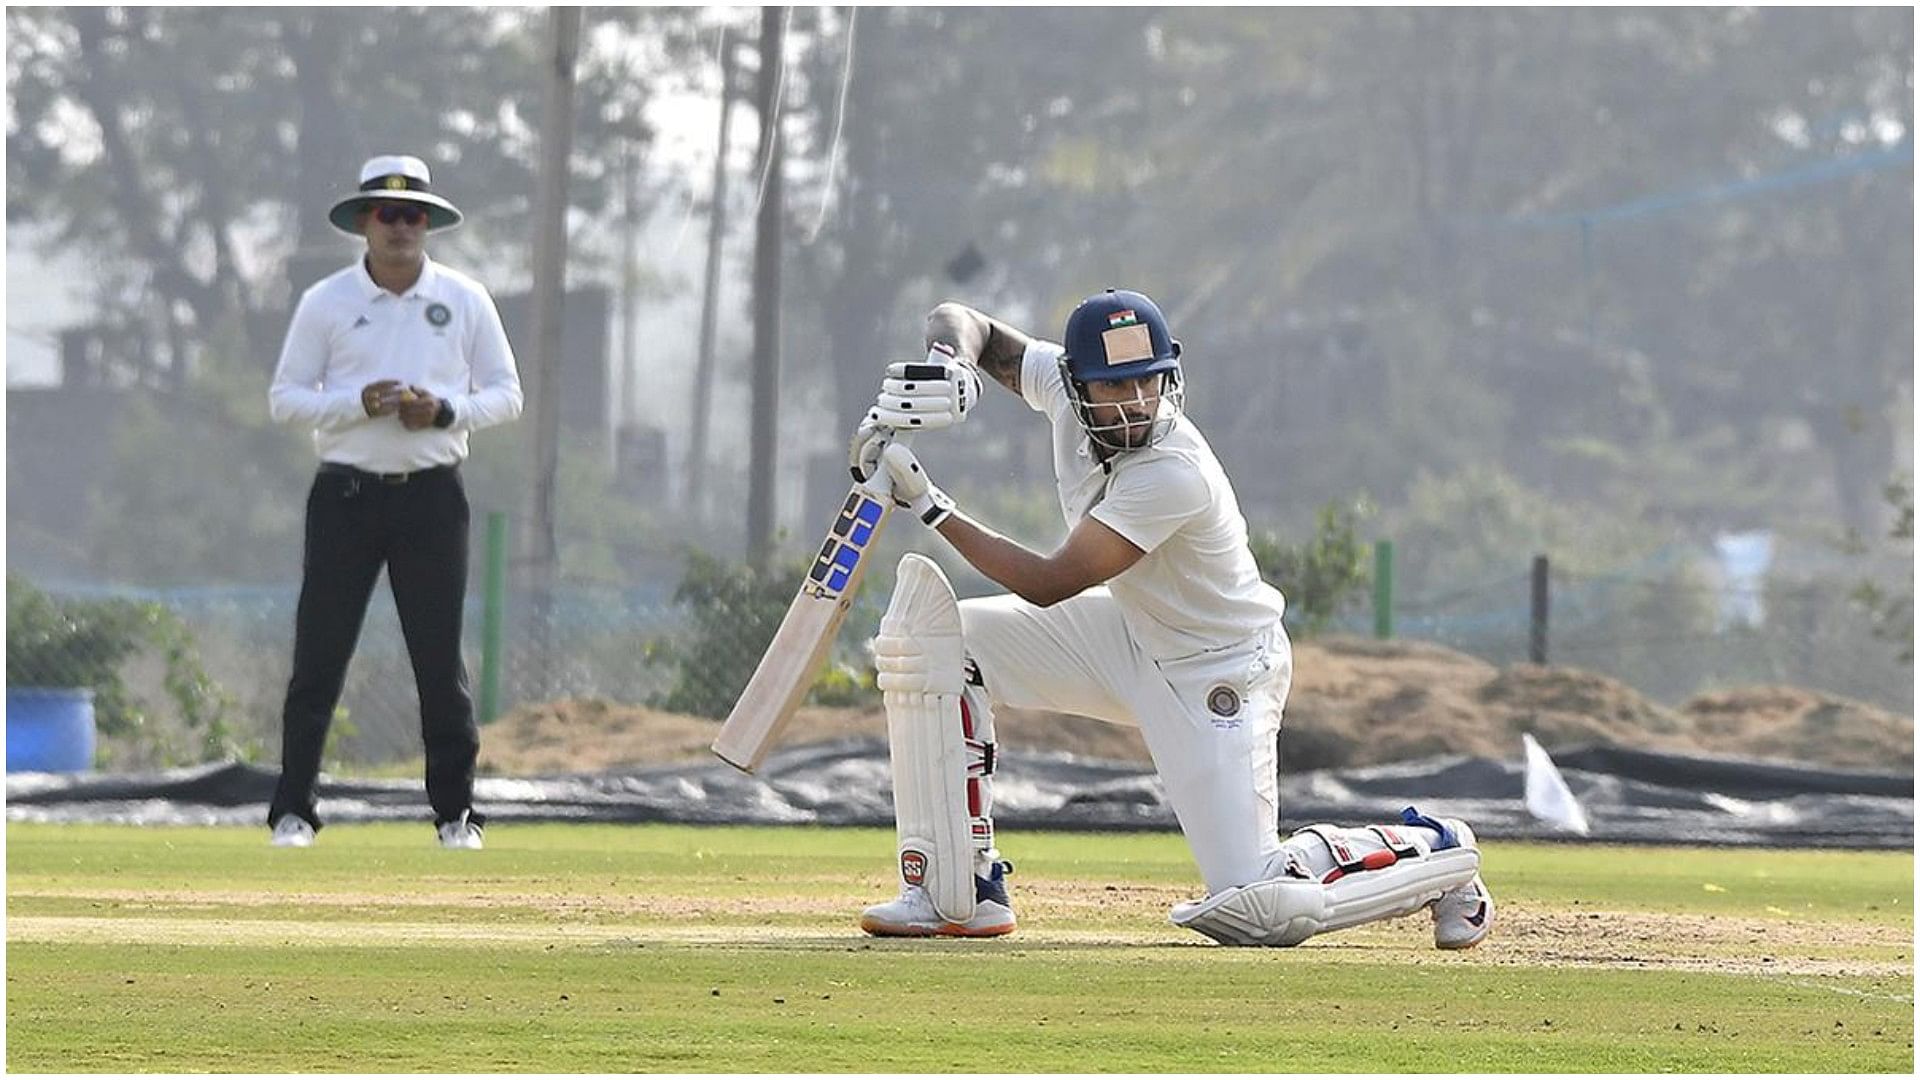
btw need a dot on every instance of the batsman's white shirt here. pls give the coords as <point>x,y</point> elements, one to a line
<point>1198,588</point>
<point>443,334</point>
<point>1187,644</point>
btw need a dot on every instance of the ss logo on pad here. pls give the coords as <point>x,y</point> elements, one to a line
<point>913,867</point>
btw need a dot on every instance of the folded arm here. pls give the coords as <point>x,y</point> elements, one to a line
<point>993,345</point>
<point>1092,555</point>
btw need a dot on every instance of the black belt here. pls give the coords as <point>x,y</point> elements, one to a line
<point>334,468</point>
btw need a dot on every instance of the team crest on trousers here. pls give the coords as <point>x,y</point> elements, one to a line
<point>1223,702</point>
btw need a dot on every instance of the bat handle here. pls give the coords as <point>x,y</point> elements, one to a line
<point>880,485</point>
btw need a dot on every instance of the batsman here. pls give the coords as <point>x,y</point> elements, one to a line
<point>1152,613</point>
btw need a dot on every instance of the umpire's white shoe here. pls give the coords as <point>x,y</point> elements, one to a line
<point>912,914</point>
<point>460,834</point>
<point>291,830</point>
<point>1463,915</point>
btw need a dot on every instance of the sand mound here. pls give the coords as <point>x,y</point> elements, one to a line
<point>1355,701</point>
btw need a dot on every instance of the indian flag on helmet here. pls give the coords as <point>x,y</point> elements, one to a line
<point>1122,318</point>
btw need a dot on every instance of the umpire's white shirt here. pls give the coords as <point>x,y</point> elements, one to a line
<point>1197,589</point>
<point>443,334</point>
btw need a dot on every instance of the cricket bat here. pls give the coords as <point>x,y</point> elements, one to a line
<point>807,631</point>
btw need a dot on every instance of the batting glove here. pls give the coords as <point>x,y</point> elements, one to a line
<point>913,488</point>
<point>863,452</point>
<point>927,396</point>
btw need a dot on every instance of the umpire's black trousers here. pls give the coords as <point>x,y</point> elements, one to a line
<point>416,525</point>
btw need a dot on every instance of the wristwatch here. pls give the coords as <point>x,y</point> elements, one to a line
<point>444,417</point>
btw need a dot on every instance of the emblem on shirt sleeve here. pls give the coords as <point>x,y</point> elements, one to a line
<point>439,314</point>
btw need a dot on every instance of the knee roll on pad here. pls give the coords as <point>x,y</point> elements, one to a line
<point>939,736</point>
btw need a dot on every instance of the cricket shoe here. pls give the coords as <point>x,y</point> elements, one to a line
<point>291,830</point>
<point>1463,916</point>
<point>460,834</point>
<point>913,915</point>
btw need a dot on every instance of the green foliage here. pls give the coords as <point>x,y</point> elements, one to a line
<point>54,642</point>
<point>735,611</point>
<point>1324,576</point>
<point>843,684</point>
<point>75,643</point>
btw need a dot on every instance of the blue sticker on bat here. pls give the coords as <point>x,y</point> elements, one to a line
<point>846,545</point>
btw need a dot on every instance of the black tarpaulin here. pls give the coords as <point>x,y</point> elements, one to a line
<point>1629,795</point>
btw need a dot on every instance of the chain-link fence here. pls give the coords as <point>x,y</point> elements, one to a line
<point>1671,634</point>
<point>194,673</point>
<point>635,646</point>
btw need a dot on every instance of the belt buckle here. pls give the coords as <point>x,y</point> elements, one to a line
<point>392,477</point>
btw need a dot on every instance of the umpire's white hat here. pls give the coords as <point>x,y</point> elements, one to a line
<point>394,178</point>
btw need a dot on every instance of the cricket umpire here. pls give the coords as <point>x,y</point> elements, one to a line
<point>392,362</point>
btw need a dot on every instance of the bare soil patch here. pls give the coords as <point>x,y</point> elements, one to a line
<point>1526,935</point>
<point>1355,701</point>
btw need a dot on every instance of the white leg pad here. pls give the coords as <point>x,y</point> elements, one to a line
<point>921,658</point>
<point>1288,911</point>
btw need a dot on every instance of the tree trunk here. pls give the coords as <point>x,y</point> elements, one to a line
<point>102,96</point>
<point>540,547</point>
<point>705,372</point>
<point>766,294</point>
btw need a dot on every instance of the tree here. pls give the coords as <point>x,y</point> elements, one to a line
<point>193,152</point>
<point>934,157</point>
<point>199,147</point>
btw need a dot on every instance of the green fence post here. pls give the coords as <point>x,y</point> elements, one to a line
<point>1383,589</point>
<point>491,620</point>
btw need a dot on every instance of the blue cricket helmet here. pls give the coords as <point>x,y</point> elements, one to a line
<point>1118,334</point>
<point>1121,334</point>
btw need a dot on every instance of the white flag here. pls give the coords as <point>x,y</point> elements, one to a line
<point>1547,796</point>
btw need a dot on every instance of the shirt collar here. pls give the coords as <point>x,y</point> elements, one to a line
<point>371,289</point>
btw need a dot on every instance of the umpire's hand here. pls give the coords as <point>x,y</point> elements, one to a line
<point>380,398</point>
<point>418,407</point>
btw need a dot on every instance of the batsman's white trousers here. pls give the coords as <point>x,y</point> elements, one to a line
<point>1210,721</point>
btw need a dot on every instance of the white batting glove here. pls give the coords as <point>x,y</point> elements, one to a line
<point>936,393</point>
<point>913,488</point>
<point>863,453</point>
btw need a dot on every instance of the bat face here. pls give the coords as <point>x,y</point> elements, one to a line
<point>785,674</point>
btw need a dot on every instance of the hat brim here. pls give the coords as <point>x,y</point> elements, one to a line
<point>441,214</point>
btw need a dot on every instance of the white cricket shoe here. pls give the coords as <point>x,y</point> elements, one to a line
<point>460,834</point>
<point>291,830</point>
<point>1463,916</point>
<point>913,914</point>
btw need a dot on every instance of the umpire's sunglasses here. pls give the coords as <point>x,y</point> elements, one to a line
<point>390,213</point>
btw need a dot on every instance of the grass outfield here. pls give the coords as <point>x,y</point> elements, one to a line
<point>569,948</point>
